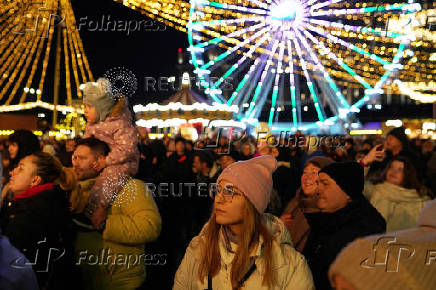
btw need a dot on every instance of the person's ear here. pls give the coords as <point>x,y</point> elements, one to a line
<point>95,165</point>
<point>275,153</point>
<point>101,161</point>
<point>36,180</point>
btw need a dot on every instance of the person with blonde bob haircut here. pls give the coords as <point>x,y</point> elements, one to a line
<point>241,247</point>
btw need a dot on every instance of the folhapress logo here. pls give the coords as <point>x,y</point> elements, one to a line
<point>388,253</point>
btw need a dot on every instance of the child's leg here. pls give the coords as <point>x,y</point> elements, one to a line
<point>105,190</point>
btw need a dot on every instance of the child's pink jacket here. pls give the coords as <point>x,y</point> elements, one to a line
<point>118,132</point>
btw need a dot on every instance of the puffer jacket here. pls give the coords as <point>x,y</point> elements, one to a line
<point>290,267</point>
<point>118,132</point>
<point>399,206</point>
<point>120,249</point>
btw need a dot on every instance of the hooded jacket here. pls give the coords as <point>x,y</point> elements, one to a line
<point>399,206</point>
<point>290,267</point>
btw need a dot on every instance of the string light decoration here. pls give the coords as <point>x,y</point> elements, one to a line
<point>267,48</point>
<point>29,30</point>
<point>172,13</point>
<point>416,80</point>
<point>377,27</point>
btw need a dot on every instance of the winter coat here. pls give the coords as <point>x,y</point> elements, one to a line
<point>399,206</point>
<point>133,220</point>
<point>16,272</point>
<point>39,226</point>
<point>118,132</point>
<point>290,267</point>
<point>330,232</point>
<point>300,229</point>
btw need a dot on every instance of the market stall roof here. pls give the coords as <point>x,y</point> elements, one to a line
<point>186,96</point>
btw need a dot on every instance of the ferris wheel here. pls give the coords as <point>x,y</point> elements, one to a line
<point>277,57</point>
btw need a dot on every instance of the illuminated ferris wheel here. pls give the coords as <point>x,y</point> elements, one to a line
<point>277,57</point>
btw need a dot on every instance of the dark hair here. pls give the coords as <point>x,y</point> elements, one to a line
<point>50,169</point>
<point>47,167</point>
<point>97,146</point>
<point>205,157</point>
<point>314,163</point>
<point>368,141</point>
<point>179,139</point>
<point>284,154</point>
<point>410,177</point>
<point>27,143</point>
<point>350,140</point>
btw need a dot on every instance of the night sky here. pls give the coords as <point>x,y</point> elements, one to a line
<point>145,53</point>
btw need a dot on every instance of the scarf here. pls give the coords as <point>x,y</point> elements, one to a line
<point>34,191</point>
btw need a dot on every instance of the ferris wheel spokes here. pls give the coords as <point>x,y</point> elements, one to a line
<point>343,103</point>
<point>309,82</point>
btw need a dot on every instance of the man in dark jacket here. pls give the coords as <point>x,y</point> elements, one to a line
<point>345,215</point>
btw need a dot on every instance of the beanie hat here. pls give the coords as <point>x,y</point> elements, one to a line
<point>348,175</point>
<point>427,217</point>
<point>400,134</point>
<point>319,160</point>
<point>254,178</point>
<point>98,94</point>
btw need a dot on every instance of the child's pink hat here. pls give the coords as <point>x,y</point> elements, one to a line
<point>254,178</point>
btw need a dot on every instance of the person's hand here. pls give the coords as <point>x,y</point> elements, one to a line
<point>374,155</point>
<point>99,216</point>
<point>287,219</point>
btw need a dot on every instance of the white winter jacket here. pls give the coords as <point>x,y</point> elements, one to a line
<point>290,267</point>
<point>399,206</point>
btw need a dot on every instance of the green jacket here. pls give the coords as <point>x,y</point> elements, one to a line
<point>116,258</point>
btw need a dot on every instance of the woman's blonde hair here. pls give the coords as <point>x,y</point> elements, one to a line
<point>254,227</point>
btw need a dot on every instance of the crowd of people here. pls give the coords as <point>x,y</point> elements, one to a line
<point>218,213</point>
